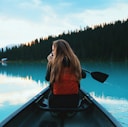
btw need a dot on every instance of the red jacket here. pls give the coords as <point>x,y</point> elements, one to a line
<point>67,84</point>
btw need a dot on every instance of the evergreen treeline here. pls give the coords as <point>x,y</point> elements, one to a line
<point>103,42</point>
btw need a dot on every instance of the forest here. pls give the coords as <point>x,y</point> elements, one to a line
<point>106,42</point>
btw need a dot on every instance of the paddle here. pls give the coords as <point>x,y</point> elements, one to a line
<point>99,76</point>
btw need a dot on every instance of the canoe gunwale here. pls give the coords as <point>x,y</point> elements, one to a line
<point>103,110</point>
<point>36,101</point>
<point>23,107</point>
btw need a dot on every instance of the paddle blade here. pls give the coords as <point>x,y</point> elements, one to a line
<point>99,76</point>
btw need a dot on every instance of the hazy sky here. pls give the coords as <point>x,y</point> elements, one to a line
<point>22,21</point>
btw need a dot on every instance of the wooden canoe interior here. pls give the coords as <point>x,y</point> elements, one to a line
<point>34,115</point>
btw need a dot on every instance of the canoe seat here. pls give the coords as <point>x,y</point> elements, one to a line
<point>65,112</point>
<point>81,107</point>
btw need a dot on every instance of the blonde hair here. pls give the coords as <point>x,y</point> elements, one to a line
<point>63,50</point>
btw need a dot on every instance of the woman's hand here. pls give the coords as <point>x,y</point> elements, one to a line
<point>50,57</point>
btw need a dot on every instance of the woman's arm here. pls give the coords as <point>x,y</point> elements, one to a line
<point>49,58</point>
<point>47,77</point>
<point>83,74</point>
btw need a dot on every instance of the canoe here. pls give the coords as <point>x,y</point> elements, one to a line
<point>36,113</point>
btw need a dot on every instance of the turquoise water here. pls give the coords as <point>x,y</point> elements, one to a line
<point>20,82</point>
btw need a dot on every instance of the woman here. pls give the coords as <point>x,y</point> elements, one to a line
<point>64,73</point>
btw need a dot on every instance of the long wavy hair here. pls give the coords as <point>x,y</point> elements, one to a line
<point>63,50</point>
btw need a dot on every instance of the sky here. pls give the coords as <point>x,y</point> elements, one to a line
<point>22,21</point>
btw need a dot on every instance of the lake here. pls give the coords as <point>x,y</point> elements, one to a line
<point>19,82</point>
